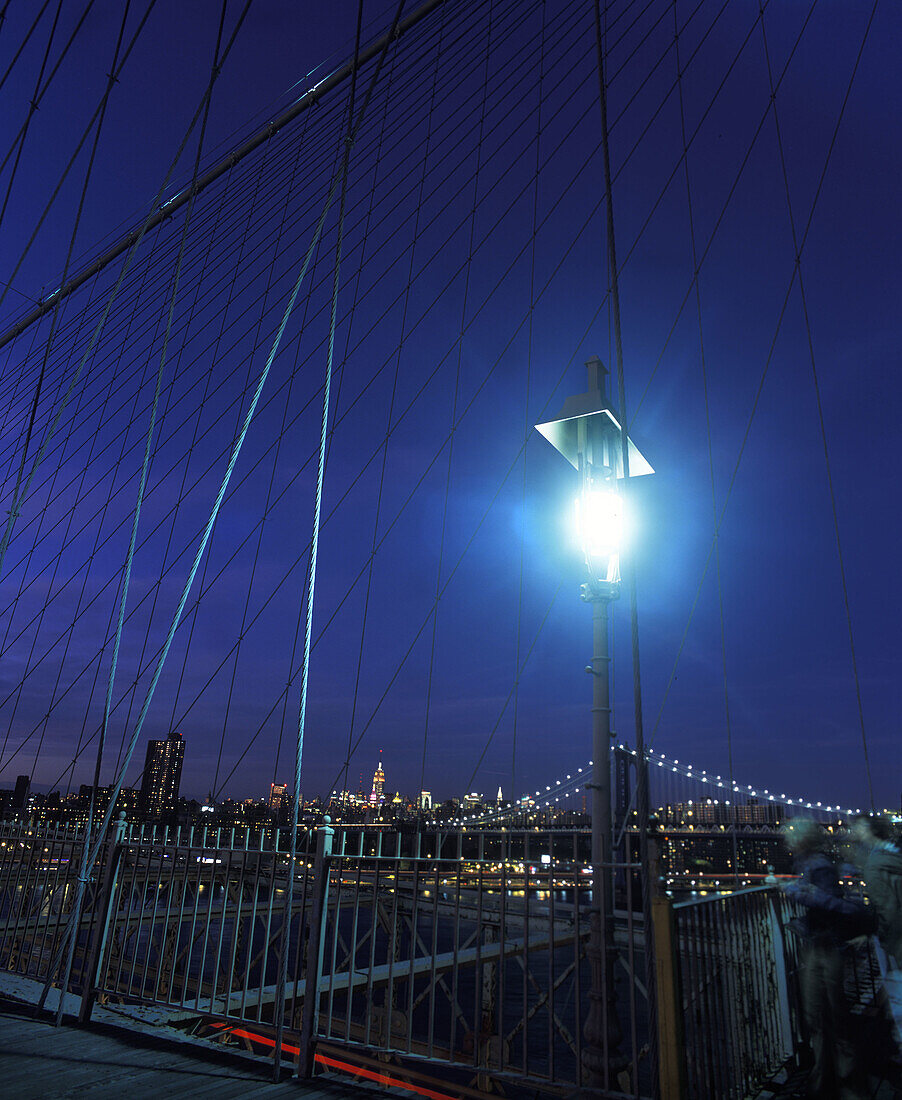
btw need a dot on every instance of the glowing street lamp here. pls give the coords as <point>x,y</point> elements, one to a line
<point>588,434</point>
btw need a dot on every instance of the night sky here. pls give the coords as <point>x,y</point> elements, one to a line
<point>473,288</point>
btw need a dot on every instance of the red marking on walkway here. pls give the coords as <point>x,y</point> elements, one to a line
<point>380,1078</point>
<point>264,1040</point>
<point>334,1063</point>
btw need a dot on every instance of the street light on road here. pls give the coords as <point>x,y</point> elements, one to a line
<point>587,433</point>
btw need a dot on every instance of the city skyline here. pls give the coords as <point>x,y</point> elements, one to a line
<point>689,788</point>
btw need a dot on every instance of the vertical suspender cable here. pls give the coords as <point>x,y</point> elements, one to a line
<point>312,989</point>
<point>701,347</point>
<point>527,426</point>
<point>377,516</point>
<point>641,761</point>
<point>460,343</point>
<point>341,178</point>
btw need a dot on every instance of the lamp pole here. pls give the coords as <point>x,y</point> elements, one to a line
<point>587,433</point>
<point>602,1031</point>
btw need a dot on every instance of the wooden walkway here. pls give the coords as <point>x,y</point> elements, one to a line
<point>41,1062</point>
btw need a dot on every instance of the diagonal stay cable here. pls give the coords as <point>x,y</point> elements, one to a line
<point>17,501</point>
<point>19,141</point>
<point>574,241</point>
<point>25,40</point>
<point>733,186</point>
<point>423,475</point>
<point>802,242</point>
<point>817,389</point>
<point>112,616</point>
<point>87,862</point>
<point>55,319</point>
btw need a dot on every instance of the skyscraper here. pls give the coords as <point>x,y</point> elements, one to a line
<point>279,802</point>
<point>378,783</point>
<point>162,775</point>
<point>21,792</point>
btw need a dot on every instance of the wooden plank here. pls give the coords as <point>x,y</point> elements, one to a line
<point>42,1062</point>
<point>40,1037</point>
<point>14,1031</point>
<point>107,1068</point>
<point>47,1075</point>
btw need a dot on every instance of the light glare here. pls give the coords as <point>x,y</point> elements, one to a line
<point>599,521</point>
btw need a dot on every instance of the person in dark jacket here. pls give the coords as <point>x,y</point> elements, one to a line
<point>882,871</point>
<point>829,921</point>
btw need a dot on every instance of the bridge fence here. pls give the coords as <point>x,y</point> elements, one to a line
<point>738,966</point>
<point>464,955</point>
<point>738,974</point>
<point>38,878</point>
<point>459,957</point>
<point>481,965</point>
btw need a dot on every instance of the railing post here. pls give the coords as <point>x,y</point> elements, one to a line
<point>671,1050</point>
<point>106,911</point>
<point>781,977</point>
<point>313,966</point>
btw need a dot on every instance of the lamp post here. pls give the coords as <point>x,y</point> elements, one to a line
<point>587,433</point>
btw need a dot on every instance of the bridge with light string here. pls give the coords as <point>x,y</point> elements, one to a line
<point>681,783</point>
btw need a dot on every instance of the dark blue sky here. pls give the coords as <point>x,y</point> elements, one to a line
<point>419,261</point>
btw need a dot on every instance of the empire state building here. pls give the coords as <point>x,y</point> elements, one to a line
<point>378,784</point>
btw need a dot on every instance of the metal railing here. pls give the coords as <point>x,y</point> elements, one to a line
<point>38,877</point>
<point>465,954</point>
<point>195,920</point>
<point>737,975</point>
<point>738,965</point>
<point>474,964</point>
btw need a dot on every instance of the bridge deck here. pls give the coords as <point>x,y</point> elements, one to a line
<point>41,1062</point>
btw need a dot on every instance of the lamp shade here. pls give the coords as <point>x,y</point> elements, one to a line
<point>587,425</point>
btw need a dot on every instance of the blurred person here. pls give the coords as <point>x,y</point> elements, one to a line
<point>830,920</point>
<point>882,871</point>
